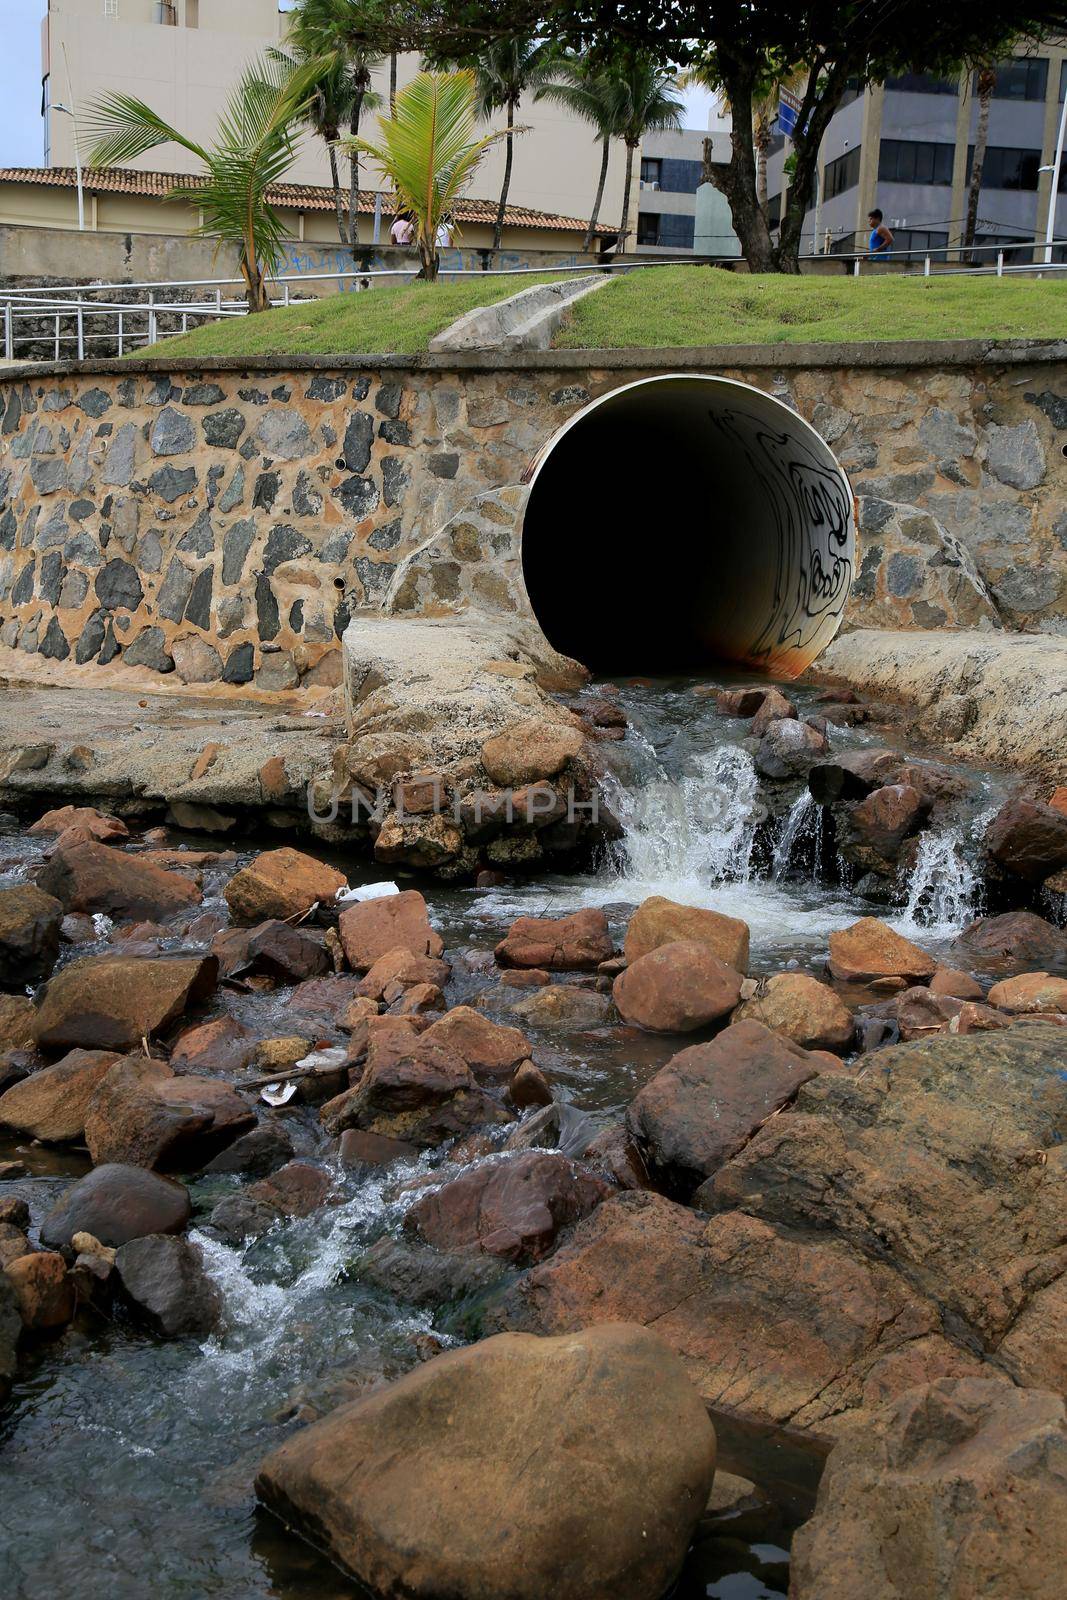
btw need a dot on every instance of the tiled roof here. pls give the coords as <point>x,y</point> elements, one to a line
<point>293,196</point>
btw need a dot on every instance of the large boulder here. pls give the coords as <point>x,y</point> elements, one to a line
<point>529,751</point>
<point>1029,992</point>
<point>144,1115</point>
<point>802,1009</point>
<point>853,774</point>
<point>704,1105</point>
<point>288,955</point>
<point>86,820</point>
<point>490,1050</point>
<point>658,920</point>
<point>576,943</point>
<point>417,1092</point>
<point>403,968</point>
<point>1028,839</point>
<point>789,749</point>
<point>29,934</point>
<point>1016,937</point>
<point>871,833</point>
<point>954,1489</point>
<point>281,883</point>
<point>870,950</point>
<point>113,1002</point>
<point>513,1208</point>
<point>509,1470</point>
<point>373,928</point>
<point>44,1292</point>
<point>116,1203</point>
<point>18,1022</point>
<point>97,877</point>
<point>50,1105</point>
<point>164,1282</point>
<point>556,1005</point>
<point>676,988</point>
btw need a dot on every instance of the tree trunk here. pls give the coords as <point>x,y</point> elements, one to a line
<point>392,83</point>
<point>509,153</point>
<point>255,280</point>
<point>429,261</point>
<point>736,178</point>
<point>337,200</point>
<point>819,104</point>
<point>587,242</point>
<point>353,174</point>
<point>986,84</point>
<point>627,187</point>
<point>762,142</point>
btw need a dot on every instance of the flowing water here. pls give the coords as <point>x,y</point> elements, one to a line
<point>126,1464</point>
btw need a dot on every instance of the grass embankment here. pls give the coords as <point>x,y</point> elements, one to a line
<point>676,306</point>
<point>402,317</point>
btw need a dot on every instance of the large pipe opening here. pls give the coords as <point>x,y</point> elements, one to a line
<point>684,520</point>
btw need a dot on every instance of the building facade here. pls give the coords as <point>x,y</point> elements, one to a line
<point>906,146</point>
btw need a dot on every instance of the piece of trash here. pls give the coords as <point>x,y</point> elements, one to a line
<point>102,925</point>
<point>367,891</point>
<point>278,1094</point>
<point>322,1060</point>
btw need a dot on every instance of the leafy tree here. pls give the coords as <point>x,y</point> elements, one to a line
<point>766,100</point>
<point>253,150</point>
<point>647,103</point>
<point>427,152</point>
<point>588,92</point>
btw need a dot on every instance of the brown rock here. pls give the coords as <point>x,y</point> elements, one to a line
<point>975,1018</point>
<point>1058,799</point>
<point>281,883</point>
<point>1017,936</point>
<point>1031,991</point>
<point>274,780</point>
<point>736,702</point>
<point>142,1115</point>
<point>418,1092</point>
<point>525,977</point>
<point>955,1488</point>
<point>98,877</point>
<point>43,1292</point>
<point>660,921</point>
<point>1028,840</point>
<point>561,1005</point>
<point>918,1012</point>
<point>947,980</point>
<point>222,1045</point>
<point>359,1149</point>
<point>29,934</point>
<point>18,1019</point>
<point>789,749</point>
<point>577,943</point>
<point>676,988</point>
<point>403,967</point>
<point>326,999</point>
<point>528,751</point>
<point>853,774</point>
<point>708,1101</point>
<point>375,928</point>
<point>869,950</point>
<point>164,1281</point>
<point>802,1009</point>
<point>51,1104</point>
<point>489,1049</point>
<point>288,955</point>
<point>295,1190</point>
<point>614,1153</point>
<point>113,1002</point>
<point>92,823</point>
<point>13,1244</point>
<point>513,1208</point>
<point>774,706</point>
<point>875,829</point>
<point>529,1087</point>
<point>418,1000</point>
<point>409,1487</point>
<point>115,1203</point>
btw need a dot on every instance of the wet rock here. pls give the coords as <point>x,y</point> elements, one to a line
<point>418,1275</point>
<point>801,1009</point>
<point>327,999</point>
<point>417,1092</point>
<point>257,1153</point>
<point>18,1020</point>
<point>374,928</point>
<point>50,1105</point>
<point>676,988</point>
<point>871,950</point>
<point>872,832</point>
<point>947,980</point>
<point>954,1487</point>
<point>852,775</point>
<point>164,1281</point>
<point>29,934</point>
<point>44,1294</point>
<point>490,1050</point>
<point>404,967</point>
<point>614,1153</point>
<point>87,820</point>
<point>113,1002</point>
<point>281,883</point>
<point>514,1208</point>
<point>1028,840</point>
<point>143,1115</point>
<point>447,1448</point>
<point>789,749</point>
<point>576,943</point>
<point>561,1005</point>
<point>708,1101</point>
<point>116,1203</point>
<point>529,1087</point>
<point>918,1012</point>
<point>660,921</point>
<point>288,955</point>
<point>371,1150</point>
<point>1017,936</point>
<point>222,1045</point>
<point>96,877</point>
<point>13,1244</point>
<point>529,751</point>
<point>738,702</point>
<point>1029,992</point>
<point>773,708</point>
<point>294,1190</point>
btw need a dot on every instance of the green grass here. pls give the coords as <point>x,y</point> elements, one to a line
<point>401,318</point>
<point>676,306</point>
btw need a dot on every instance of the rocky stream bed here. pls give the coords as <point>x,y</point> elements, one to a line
<point>290,1171</point>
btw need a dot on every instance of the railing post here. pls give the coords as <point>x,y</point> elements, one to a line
<point>926,266</point>
<point>9,333</point>
<point>120,332</point>
<point>286,292</point>
<point>151,316</point>
<point>1000,263</point>
<point>856,267</point>
<point>57,336</point>
<point>81,332</point>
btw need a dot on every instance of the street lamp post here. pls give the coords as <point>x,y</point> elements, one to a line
<point>1050,225</point>
<point>67,112</point>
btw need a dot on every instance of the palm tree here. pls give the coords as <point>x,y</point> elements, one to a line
<point>504,71</point>
<point>253,150</point>
<point>648,103</point>
<point>330,107</point>
<point>427,152</point>
<point>985,82</point>
<point>591,94</point>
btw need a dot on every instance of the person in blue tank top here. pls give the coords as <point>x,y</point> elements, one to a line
<point>881,239</point>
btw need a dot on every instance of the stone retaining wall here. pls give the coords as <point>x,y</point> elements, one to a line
<point>228,522</point>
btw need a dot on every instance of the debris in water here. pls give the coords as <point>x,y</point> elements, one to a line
<point>367,891</point>
<point>278,1094</point>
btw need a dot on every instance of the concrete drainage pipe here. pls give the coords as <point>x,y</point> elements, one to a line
<point>682,520</point>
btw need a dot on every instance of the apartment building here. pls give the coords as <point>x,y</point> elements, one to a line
<point>667,208</point>
<point>907,145</point>
<point>182,57</point>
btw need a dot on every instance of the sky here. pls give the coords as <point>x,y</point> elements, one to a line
<point>21,135</point>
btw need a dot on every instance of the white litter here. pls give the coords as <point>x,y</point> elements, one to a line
<point>322,1060</point>
<point>367,891</point>
<point>278,1094</point>
<point>102,925</point>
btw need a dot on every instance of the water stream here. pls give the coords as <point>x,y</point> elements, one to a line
<point>127,1463</point>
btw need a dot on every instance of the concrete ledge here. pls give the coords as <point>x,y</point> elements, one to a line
<point>525,321</point>
<point>885,356</point>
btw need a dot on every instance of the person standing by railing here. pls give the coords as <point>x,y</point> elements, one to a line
<point>881,240</point>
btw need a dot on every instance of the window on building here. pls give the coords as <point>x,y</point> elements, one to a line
<point>774,211</point>
<point>914,161</point>
<point>842,174</point>
<point>1022,78</point>
<point>651,170</point>
<point>192,13</point>
<point>775,143</point>
<point>667,229</point>
<point>922,83</point>
<point>678,176</point>
<point>648,227</point>
<point>1006,167</point>
<point>1016,253</point>
<point>1063,81</point>
<point>111,8</point>
<point>926,240</point>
